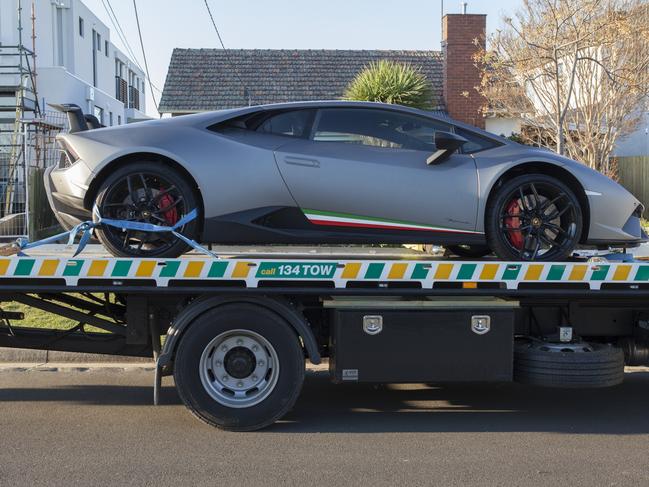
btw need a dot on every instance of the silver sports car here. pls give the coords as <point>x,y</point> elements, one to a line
<point>335,172</point>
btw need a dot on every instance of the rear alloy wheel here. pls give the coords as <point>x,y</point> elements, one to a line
<point>148,192</point>
<point>533,217</point>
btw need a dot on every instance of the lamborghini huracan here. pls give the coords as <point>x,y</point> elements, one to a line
<point>334,172</point>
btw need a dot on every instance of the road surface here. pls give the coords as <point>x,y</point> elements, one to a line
<point>97,427</point>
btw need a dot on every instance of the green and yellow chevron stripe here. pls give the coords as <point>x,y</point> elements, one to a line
<point>339,272</point>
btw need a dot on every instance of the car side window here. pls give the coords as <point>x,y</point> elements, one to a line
<point>376,128</point>
<point>296,123</point>
<point>476,143</point>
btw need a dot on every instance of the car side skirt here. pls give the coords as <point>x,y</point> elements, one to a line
<point>291,225</point>
<point>334,219</point>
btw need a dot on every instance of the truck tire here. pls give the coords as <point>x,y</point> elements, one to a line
<point>239,367</point>
<point>582,365</point>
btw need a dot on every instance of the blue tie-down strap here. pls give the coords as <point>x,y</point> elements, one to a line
<point>85,230</point>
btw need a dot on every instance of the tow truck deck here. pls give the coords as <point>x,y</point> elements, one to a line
<point>326,270</point>
<point>379,315</point>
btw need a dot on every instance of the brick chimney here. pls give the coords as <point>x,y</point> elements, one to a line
<point>461,76</point>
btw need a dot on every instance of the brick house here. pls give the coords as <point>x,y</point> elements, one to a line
<point>213,79</point>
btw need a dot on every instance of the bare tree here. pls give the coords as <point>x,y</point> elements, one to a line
<point>575,71</point>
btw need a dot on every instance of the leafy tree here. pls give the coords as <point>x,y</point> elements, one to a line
<point>391,82</point>
<point>576,72</point>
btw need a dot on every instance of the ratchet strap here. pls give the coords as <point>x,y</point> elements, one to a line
<point>85,230</point>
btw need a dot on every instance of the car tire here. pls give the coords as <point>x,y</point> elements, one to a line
<point>581,365</point>
<point>115,240</point>
<point>526,212</point>
<point>205,393</point>
<point>469,251</point>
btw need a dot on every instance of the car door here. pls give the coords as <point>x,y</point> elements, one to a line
<point>367,168</point>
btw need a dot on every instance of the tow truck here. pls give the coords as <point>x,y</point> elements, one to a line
<point>235,331</point>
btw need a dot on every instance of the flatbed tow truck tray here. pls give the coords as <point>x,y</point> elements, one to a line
<point>364,272</point>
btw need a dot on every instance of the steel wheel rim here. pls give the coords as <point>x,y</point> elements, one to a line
<point>544,223</point>
<point>143,197</point>
<point>228,377</point>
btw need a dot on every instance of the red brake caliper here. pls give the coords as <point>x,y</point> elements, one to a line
<point>513,222</point>
<point>171,215</point>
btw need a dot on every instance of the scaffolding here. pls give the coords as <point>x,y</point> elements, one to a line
<point>18,104</point>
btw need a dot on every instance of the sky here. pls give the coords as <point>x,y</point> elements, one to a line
<point>284,24</point>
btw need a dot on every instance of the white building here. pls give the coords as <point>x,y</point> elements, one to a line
<point>636,143</point>
<point>75,60</point>
<point>633,144</point>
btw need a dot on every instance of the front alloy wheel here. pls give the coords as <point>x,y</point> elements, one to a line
<point>534,217</point>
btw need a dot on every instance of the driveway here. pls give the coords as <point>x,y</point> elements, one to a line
<point>97,427</point>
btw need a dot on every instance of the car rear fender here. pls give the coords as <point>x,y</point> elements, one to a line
<point>121,157</point>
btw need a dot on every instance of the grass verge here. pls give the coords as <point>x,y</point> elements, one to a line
<point>37,318</point>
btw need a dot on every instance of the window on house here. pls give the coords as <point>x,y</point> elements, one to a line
<point>110,118</point>
<point>377,128</point>
<point>98,41</point>
<point>119,120</point>
<point>99,113</point>
<point>81,30</point>
<point>59,37</point>
<point>94,57</point>
<point>106,48</point>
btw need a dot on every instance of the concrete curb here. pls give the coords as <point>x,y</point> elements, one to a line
<point>149,366</point>
<point>74,367</point>
<point>22,355</point>
<point>26,359</point>
<point>115,366</point>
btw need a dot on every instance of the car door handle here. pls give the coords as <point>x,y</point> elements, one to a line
<point>301,161</point>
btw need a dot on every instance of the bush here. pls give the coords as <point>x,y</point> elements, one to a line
<point>391,82</point>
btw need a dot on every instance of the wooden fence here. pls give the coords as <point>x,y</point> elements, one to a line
<point>633,174</point>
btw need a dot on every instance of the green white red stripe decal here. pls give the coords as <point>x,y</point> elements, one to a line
<point>318,217</point>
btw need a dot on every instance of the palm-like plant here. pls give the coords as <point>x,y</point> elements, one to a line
<point>391,82</point>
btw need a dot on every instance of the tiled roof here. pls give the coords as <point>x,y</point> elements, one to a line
<point>208,79</point>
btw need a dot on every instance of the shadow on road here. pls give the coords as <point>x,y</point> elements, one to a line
<point>360,408</point>
<point>324,407</point>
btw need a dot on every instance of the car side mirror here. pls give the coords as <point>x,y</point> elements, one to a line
<point>446,143</point>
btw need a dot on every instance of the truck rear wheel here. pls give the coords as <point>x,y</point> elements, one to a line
<point>239,367</point>
<point>568,365</point>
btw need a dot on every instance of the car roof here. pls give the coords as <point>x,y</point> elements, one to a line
<point>227,114</point>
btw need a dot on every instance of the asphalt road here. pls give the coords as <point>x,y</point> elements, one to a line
<point>98,428</point>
